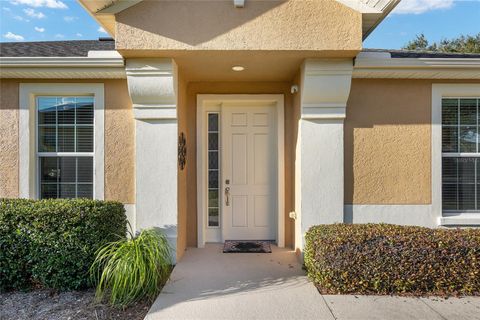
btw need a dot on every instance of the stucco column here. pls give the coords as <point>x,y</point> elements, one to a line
<point>152,84</point>
<point>325,87</point>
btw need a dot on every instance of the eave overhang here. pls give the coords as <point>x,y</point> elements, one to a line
<point>97,65</point>
<point>373,12</point>
<point>377,65</point>
<point>110,65</point>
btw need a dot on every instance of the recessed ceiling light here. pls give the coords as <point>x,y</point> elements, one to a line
<point>238,68</point>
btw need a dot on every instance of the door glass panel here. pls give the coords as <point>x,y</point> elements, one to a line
<point>213,171</point>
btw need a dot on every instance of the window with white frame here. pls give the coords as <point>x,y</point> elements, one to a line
<point>65,146</point>
<point>460,155</point>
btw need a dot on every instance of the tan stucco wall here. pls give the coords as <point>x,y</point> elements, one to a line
<point>119,138</point>
<point>182,113</point>
<point>195,88</point>
<point>119,143</point>
<point>260,25</point>
<point>388,142</point>
<point>9,183</point>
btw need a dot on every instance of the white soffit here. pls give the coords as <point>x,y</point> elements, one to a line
<point>373,12</point>
<point>97,65</point>
<point>117,6</point>
<point>377,65</point>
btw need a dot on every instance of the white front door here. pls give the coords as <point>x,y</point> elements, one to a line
<point>249,172</point>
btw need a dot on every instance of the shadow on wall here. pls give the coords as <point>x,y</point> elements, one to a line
<point>388,142</point>
<point>195,22</point>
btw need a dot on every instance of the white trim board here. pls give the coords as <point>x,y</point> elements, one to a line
<point>413,215</point>
<point>213,102</point>
<point>440,91</point>
<point>28,171</point>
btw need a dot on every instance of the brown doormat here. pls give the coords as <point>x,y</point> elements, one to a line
<point>239,246</point>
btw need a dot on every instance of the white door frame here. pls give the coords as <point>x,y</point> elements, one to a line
<point>214,102</point>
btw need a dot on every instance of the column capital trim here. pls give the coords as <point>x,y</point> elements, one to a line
<point>325,87</point>
<point>152,84</point>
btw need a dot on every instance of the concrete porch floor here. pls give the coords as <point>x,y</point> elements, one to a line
<point>208,284</point>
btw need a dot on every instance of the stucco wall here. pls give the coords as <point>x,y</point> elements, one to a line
<point>260,25</point>
<point>388,142</point>
<point>195,88</point>
<point>182,113</point>
<point>9,183</point>
<point>119,138</point>
<point>119,143</point>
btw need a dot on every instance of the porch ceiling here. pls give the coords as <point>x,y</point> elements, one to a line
<point>259,65</point>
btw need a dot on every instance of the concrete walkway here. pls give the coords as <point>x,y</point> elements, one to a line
<point>208,284</point>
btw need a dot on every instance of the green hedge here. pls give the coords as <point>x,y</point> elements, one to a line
<point>391,259</point>
<point>52,243</point>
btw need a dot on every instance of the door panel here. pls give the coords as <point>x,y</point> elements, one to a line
<point>249,167</point>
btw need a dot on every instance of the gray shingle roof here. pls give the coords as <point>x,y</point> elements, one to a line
<point>75,48</point>
<point>80,48</point>
<point>423,54</point>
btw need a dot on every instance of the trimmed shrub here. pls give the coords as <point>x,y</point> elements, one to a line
<point>15,271</point>
<point>391,259</point>
<point>53,242</point>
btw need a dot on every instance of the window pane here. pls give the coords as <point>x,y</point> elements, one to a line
<point>48,169</point>
<point>85,191</point>
<point>213,198</point>
<point>85,169</point>
<point>66,175</point>
<point>84,139</point>
<point>213,141</point>
<point>67,169</point>
<point>450,111</point>
<point>47,137</point>
<point>66,110</point>
<point>449,197</point>
<point>47,111</point>
<point>466,197</point>
<point>213,160</point>
<point>66,190</point>
<point>468,112</point>
<point>48,191</point>
<point>450,139</point>
<point>85,110</point>
<point>66,139</point>
<point>459,183</point>
<point>213,122</point>
<point>213,217</point>
<point>213,179</point>
<point>466,170</point>
<point>468,139</point>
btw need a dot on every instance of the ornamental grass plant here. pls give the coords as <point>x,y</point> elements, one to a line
<point>128,270</point>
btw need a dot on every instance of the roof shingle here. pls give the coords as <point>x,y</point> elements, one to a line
<point>74,48</point>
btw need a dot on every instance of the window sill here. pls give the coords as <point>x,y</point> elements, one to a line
<point>460,219</point>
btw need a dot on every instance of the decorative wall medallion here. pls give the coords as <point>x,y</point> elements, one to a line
<point>182,151</point>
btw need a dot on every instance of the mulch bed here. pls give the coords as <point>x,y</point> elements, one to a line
<point>72,305</point>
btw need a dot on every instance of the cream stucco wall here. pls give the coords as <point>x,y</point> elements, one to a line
<point>119,143</point>
<point>119,138</point>
<point>182,116</point>
<point>388,142</point>
<point>260,25</point>
<point>9,113</point>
